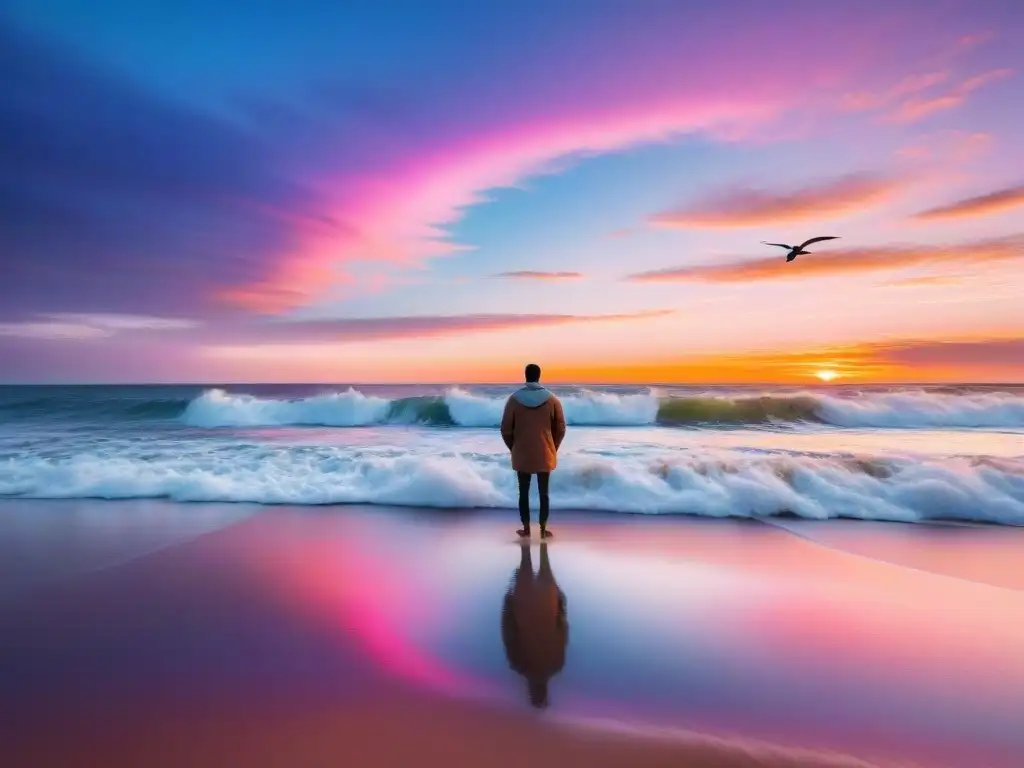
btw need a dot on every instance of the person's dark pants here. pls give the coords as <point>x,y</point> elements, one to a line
<point>524,497</point>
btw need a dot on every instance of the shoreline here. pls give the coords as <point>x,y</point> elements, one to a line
<point>579,515</point>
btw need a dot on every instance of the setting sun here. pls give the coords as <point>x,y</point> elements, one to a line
<point>826,375</point>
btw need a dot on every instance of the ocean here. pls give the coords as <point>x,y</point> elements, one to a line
<point>912,454</point>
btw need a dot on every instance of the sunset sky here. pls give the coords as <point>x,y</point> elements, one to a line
<point>442,191</point>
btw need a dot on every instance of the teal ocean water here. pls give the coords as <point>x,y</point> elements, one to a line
<point>885,453</point>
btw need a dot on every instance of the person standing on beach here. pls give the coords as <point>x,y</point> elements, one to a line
<point>533,427</point>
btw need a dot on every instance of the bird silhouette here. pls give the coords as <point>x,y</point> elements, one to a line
<point>798,250</point>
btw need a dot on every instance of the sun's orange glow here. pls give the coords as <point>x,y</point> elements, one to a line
<point>995,360</point>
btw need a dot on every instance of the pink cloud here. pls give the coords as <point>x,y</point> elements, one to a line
<point>585,100</point>
<point>421,326</point>
<point>866,100</point>
<point>918,108</point>
<point>530,274</point>
<point>843,262</point>
<point>951,146</point>
<point>618,234</point>
<point>752,207</point>
<point>974,40</point>
<point>402,215</point>
<point>600,91</point>
<point>981,205</point>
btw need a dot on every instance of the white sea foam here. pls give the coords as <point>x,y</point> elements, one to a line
<point>587,408</point>
<point>461,407</point>
<point>710,483</point>
<point>923,409</point>
<point>471,410</point>
<point>351,408</point>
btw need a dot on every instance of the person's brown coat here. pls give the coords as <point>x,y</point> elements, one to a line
<point>533,434</point>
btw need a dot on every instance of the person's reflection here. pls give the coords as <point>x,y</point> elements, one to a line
<point>534,625</point>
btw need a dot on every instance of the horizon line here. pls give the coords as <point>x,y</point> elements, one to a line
<point>835,384</point>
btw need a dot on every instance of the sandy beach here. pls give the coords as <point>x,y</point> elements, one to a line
<point>149,633</point>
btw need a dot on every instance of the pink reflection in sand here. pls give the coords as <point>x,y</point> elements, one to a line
<point>339,577</point>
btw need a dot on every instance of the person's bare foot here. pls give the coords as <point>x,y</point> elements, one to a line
<point>524,533</point>
<point>545,533</point>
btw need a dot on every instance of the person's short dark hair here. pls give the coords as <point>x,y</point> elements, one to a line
<point>532,373</point>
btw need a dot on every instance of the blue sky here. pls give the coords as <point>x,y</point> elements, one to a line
<point>323,190</point>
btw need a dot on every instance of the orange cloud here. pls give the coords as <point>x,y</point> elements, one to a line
<point>846,261</point>
<point>980,205</point>
<point>530,274</point>
<point>917,108</point>
<point>924,280</point>
<point>750,207</point>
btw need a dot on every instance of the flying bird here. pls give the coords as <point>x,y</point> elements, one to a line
<point>798,250</point>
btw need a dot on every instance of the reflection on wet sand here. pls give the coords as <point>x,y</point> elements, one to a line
<point>534,626</point>
<point>299,637</point>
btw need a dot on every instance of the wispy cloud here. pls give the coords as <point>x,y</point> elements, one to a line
<point>919,281</point>
<point>530,274</point>
<point>951,146</point>
<point>994,352</point>
<point>845,261</point>
<point>617,234</point>
<point>919,107</point>
<point>114,322</point>
<point>75,326</point>
<point>754,207</point>
<point>968,42</point>
<point>980,205</point>
<point>372,328</point>
<point>53,331</point>
<point>863,101</point>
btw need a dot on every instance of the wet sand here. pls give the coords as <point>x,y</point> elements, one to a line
<point>148,633</point>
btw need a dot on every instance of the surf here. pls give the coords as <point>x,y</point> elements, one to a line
<point>655,481</point>
<point>481,407</point>
<point>459,407</point>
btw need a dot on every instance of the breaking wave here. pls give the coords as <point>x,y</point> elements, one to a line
<point>714,483</point>
<point>462,408</point>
